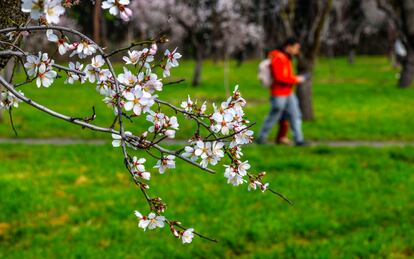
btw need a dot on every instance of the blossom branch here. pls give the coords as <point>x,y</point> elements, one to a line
<point>42,108</point>
<point>136,93</point>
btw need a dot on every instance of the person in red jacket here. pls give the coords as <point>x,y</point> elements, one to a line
<point>283,99</point>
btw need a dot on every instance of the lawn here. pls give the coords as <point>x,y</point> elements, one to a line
<point>357,102</point>
<point>79,203</point>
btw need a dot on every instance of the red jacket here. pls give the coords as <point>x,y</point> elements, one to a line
<point>283,75</point>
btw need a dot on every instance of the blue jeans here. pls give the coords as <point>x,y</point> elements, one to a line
<point>280,105</point>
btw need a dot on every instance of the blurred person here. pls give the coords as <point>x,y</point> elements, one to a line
<point>283,99</point>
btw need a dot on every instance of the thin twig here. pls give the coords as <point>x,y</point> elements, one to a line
<point>11,121</point>
<point>134,44</point>
<point>198,234</point>
<point>175,82</point>
<point>281,196</point>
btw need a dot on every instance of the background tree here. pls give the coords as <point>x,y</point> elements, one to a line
<point>404,17</point>
<point>310,19</point>
<point>204,28</point>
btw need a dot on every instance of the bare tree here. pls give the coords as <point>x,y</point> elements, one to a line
<point>407,29</point>
<point>206,28</point>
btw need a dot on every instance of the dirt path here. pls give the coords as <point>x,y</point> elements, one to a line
<point>69,141</point>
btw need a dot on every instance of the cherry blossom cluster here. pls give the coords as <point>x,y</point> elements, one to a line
<point>118,7</point>
<point>133,94</point>
<point>9,100</point>
<point>152,221</point>
<point>51,10</point>
<point>82,49</point>
<point>41,68</point>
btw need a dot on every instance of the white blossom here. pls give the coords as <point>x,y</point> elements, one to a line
<point>137,101</point>
<point>155,221</point>
<point>8,100</point>
<point>172,58</point>
<point>243,137</point>
<point>223,123</point>
<point>152,83</point>
<point>152,221</point>
<point>31,65</point>
<point>72,77</point>
<point>263,187</point>
<point>63,46</point>
<point>254,183</point>
<point>138,168</point>
<point>187,105</point>
<point>34,7</point>
<point>104,88</point>
<point>217,149</point>
<point>202,149</point>
<point>82,49</point>
<point>45,76</point>
<point>157,119</point>
<point>243,167</point>
<point>133,57</point>
<point>187,236</point>
<point>167,162</point>
<point>138,164</point>
<point>51,36</point>
<point>203,108</point>
<point>189,152</point>
<point>172,123</point>
<point>92,70</point>
<point>117,139</point>
<point>232,176</point>
<point>51,9</point>
<point>118,7</point>
<point>153,49</point>
<point>127,78</point>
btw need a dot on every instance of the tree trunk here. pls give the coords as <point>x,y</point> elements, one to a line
<point>97,13</point>
<point>10,15</point>
<point>407,17</point>
<point>310,19</point>
<point>407,73</point>
<point>198,67</point>
<point>304,91</point>
<point>351,56</point>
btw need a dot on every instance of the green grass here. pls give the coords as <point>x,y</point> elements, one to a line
<point>79,203</point>
<point>351,102</point>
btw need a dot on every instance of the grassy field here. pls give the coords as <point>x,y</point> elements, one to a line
<point>351,102</point>
<point>79,203</point>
